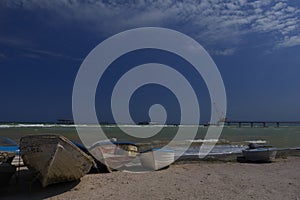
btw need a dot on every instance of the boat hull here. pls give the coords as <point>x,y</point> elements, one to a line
<point>54,158</point>
<point>157,159</point>
<point>260,155</point>
<point>113,155</point>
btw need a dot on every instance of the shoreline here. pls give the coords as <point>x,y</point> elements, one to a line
<point>232,157</point>
<point>226,157</point>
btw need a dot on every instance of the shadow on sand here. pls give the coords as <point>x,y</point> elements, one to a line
<point>23,185</point>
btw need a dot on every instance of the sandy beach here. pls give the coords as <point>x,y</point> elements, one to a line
<point>200,180</point>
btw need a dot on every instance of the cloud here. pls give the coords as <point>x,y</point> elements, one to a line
<point>225,52</point>
<point>209,21</point>
<point>290,41</point>
<point>27,49</point>
<point>35,53</point>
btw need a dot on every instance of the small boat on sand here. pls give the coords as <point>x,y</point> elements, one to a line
<point>54,158</point>
<point>256,153</point>
<point>156,158</point>
<point>112,154</point>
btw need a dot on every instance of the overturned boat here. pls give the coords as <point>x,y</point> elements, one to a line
<point>156,158</point>
<point>54,158</point>
<point>257,153</point>
<point>113,154</point>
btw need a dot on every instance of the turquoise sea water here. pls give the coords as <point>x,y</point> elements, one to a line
<point>232,139</point>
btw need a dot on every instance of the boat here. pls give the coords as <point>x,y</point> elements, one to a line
<point>54,158</point>
<point>157,158</point>
<point>257,153</point>
<point>113,154</point>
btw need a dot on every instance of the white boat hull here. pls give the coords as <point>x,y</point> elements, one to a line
<point>54,158</point>
<point>157,159</point>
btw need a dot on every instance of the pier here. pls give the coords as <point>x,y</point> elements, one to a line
<point>262,123</point>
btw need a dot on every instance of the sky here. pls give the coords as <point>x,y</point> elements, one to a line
<point>254,43</point>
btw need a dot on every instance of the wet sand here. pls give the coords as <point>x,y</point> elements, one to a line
<point>203,180</point>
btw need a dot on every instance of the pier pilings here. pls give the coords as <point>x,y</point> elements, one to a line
<point>261,123</point>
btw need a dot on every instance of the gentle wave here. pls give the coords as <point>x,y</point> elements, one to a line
<point>202,140</point>
<point>41,125</point>
<point>217,149</point>
<point>37,125</point>
<point>4,126</point>
<point>80,125</point>
<point>257,141</point>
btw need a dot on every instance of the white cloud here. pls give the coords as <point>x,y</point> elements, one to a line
<point>209,21</point>
<point>279,6</point>
<point>225,52</point>
<point>290,41</point>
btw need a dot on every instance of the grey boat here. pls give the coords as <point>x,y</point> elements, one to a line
<point>54,158</point>
<point>261,154</point>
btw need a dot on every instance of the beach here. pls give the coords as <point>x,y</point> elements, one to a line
<point>197,180</point>
<point>149,100</point>
<point>217,176</point>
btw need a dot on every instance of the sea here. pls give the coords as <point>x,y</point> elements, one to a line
<point>233,139</point>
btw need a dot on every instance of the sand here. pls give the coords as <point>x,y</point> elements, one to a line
<point>203,180</point>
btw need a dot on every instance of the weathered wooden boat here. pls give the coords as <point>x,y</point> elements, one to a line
<point>156,158</point>
<point>112,154</point>
<point>54,158</point>
<point>259,154</point>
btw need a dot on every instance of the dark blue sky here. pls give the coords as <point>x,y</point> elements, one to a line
<point>255,44</point>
